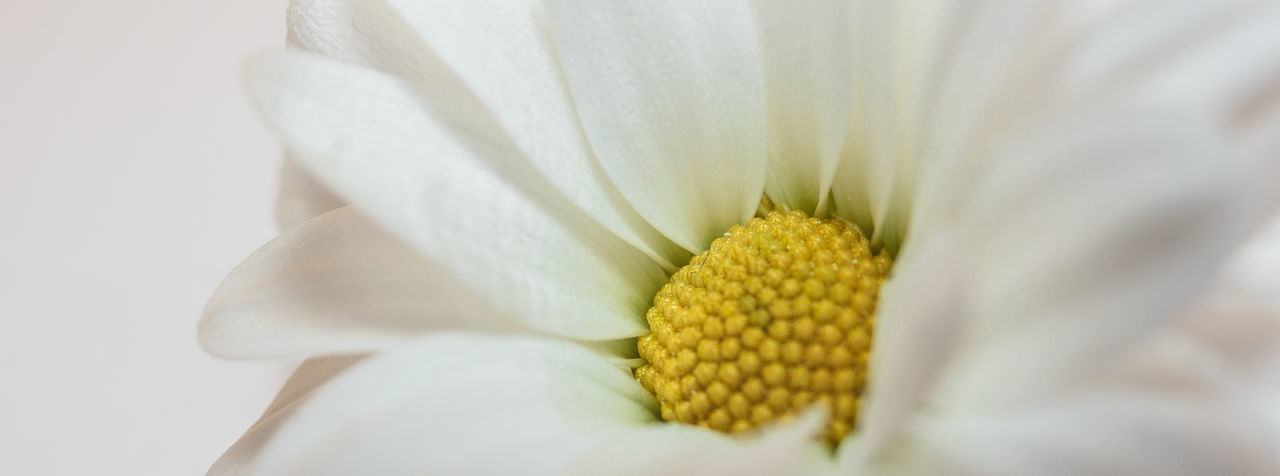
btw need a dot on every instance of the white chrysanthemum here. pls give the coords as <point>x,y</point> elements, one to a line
<point>1060,185</point>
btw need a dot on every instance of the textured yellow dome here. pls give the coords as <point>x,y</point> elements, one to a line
<point>777,316</point>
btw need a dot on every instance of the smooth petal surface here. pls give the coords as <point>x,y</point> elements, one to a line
<point>1010,63</point>
<point>672,98</point>
<point>1118,432</point>
<point>501,50</point>
<point>301,196</point>
<point>309,376</point>
<point>373,138</point>
<point>1237,322</point>
<point>923,75</point>
<point>1118,222</point>
<point>922,311</point>
<point>363,32</point>
<point>337,284</point>
<point>893,48</point>
<point>467,404</point>
<point>806,65</point>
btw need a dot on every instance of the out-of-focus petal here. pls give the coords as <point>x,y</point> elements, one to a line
<point>672,98</point>
<point>1237,322</point>
<point>921,71</point>
<point>1110,431</point>
<point>302,196</point>
<point>373,138</point>
<point>1171,405</point>
<point>1087,235</point>
<point>337,284</point>
<point>468,404</point>
<point>921,312</point>
<point>806,65</point>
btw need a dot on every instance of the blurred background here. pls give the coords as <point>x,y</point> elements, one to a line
<point>134,174</point>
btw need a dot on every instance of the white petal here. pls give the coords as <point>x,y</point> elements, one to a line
<point>893,46</point>
<point>1172,406</point>
<point>377,140</point>
<point>364,32</point>
<point>924,74</point>
<point>302,196</point>
<point>371,34</point>
<point>501,50</point>
<point>921,313</point>
<point>1239,315</point>
<point>1214,57</point>
<point>1104,433</point>
<point>239,458</point>
<point>1213,61</point>
<point>1086,235</point>
<point>337,284</point>
<point>465,404</point>
<point>806,60</point>
<point>1238,322</point>
<point>672,98</point>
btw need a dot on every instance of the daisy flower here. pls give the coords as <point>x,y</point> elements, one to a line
<point>732,237</point>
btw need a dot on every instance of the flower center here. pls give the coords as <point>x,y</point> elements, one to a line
<point>776,317</point>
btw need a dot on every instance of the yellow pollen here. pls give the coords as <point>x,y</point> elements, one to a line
<point>776,317</point>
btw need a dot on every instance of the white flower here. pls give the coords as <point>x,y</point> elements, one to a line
<point>1062,183</point>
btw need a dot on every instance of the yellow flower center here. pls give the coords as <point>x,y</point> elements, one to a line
<point>776,317</point>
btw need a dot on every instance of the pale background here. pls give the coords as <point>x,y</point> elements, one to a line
<point>134,174</point>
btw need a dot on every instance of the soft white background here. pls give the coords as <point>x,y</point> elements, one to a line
<point>134,174</point>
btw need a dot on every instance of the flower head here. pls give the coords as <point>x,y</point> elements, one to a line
<point>853,236</point>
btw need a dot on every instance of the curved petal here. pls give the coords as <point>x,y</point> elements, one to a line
<point>1120,218</point>
<point>806,65</point>
<point>469,404</point>
<point>337,284</point>
<point>1119,432</point>
<point>672,99</point>
<point>301,196</point>
<point>1238,323</point>
<point>1212,61</point>
<point>361,32</point>
<point>501,50</point>
<point>891,48</point>
<point>1239,315</point>
<point>924,74</point>
<point>921,312</point>
<point>368,33</point>
<point>1172,406</point>
<point>310,375</point>
<point>1217,58</point>
<point>373,138</point>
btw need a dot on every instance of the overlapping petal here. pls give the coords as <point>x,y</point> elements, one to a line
<point>806,58</point>
<point>1070,177</point>
<point>302,196</point>
<point>337,284</point>
<point>424,43</point>
<point>458,403</point>
<point>921,315</point>
<point>502,51</point>
<point>376,140</point>
<point>310,376</point>
<point>925,76</point>
<point>1128,432</point>
<point>1118,223</point>
<point>672,99</point>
